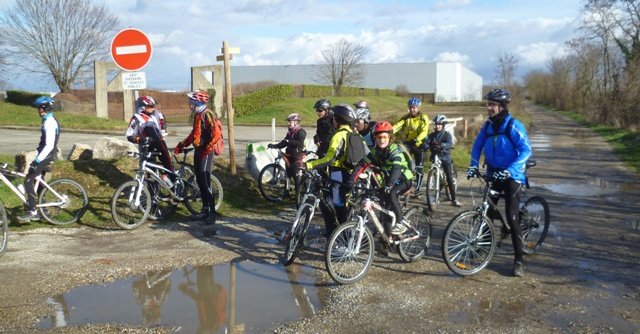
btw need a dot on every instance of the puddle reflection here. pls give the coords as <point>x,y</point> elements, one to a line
<point>242,297</point>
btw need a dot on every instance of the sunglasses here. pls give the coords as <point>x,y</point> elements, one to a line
<point>320,110</point>
<point>492,104</point>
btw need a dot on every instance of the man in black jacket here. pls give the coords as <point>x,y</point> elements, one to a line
<point>325,127</point>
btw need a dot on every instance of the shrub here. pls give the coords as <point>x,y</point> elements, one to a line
<point>22,98</point>
<point>250,103</point>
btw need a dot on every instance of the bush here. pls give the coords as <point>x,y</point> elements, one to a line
<point>250,103</point>
<point>22,98</point>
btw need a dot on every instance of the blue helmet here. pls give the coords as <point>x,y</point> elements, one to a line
<point>45,102</point>
<point>414,102</point>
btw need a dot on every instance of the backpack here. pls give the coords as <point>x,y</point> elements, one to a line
<point>218,148</point>
<point>410,161</point>
<point>507,128</point>
<point>356,150</point>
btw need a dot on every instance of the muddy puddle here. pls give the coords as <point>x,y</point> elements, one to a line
<point>243,297</point>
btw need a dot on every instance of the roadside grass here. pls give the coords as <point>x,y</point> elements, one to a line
<point>626,144</point>
<point>100,178</point>
<point>15,115</point>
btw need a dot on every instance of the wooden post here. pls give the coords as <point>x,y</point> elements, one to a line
<point>466,126</point>
<point>226,57</point>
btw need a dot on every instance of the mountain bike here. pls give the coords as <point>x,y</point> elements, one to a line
<point>437,183</point>
<point>60,202</point>
<point>350,249</point>
<point>317,189</point>
<point>470,239</point>
<point>133,203</point>
<point>273,181</point>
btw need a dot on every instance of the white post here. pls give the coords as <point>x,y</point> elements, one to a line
<point>273,129</point>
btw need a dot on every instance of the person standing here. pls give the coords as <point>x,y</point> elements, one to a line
<point>503,140</point>
<point>324,126</point>
<point>202,137</point>
<point>412,129</point>
<point>47,150</point>
<point>440,143</point>
<point>363,123</point>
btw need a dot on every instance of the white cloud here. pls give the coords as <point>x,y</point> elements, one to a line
<point>539,53</point>
<point>451,4</point>
<point>454,57</point>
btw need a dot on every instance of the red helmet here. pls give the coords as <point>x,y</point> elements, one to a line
<point>198,97</point>
<point>382,126</point>
<point>147,101</point>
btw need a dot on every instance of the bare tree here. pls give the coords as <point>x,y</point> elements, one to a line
<point>506,70</point>
<point>342,65</point>
<point>60,38</point>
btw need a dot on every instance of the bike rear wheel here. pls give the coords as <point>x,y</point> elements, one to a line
<point>296,239</point>
<point>344,262</point>
<point>433,189</point>
<point>71,208</point>
<point>420,229</point>
<point>4,229</point>
<point>304,187</point>
<point>273,182</point>
<point>534,222</point>
<point>125,213</point>
<point>192,198</point>
<point>468,243</point>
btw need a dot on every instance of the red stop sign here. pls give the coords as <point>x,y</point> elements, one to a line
<point>131,49</point>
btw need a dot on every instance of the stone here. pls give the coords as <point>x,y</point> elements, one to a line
<point>108,148</point>
<point>80,152</point>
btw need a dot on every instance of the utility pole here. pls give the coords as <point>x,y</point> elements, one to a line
<point>226,58</point>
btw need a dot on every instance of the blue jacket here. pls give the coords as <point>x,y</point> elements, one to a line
<point>505,149</point>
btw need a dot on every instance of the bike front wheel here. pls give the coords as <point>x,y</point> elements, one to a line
<point>124,210</point>
<point>70,199</point>
<point>296,239</point>
<point>273,182</point>
<point>468,243</point>
<point>345,261</point>
<point>433,189</point>
<point>4,229</point>
<point>416,241</point>
<point>534,222</point>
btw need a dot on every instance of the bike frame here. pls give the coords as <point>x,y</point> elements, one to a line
<point>38,181</point>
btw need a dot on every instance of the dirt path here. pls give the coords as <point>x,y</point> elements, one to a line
<point>586,278</point>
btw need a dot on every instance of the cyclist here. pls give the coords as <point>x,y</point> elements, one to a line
<point>147,126</point>
<point>294,143</point>
<point>363,123</point>
<point>505,144</point>
<point>324,126</point>
<point>201,137</point>
<point>440,143</point>
<point>335,158</point>
<point>391,159</point>
<point>47,150</point>
<point>412,129</point>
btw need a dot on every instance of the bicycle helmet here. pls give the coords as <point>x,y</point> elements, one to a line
<point>382,126</point>
<point>440,119</point>
<point>293,117</point>
<point>363,114</point>
<point>45,102</point>
<point>343,113</point>
<point>198,98</point>
<point>499,95</point>
<point>146,101</point>
<point>322,104</point>
<point>361,105</point>
<point>414,102</point>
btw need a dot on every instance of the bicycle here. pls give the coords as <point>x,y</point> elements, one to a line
<point>470,238</point>
<point>316,190</point>
<point>4,229</point>
<point>60,202</point>
<point>273,181</point>
<point>132,203</point>
<point>350,249</point>
<point>437,182</point>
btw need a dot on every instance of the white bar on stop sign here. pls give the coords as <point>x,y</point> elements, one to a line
<point>132,49</point>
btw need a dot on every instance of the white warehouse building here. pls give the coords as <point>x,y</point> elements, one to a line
<point>447,82</point>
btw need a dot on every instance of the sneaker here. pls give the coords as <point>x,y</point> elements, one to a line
<point>29,216</point>
<point>399,229</point>
<point>200,216</point>
<point>456,203</point>
<point>518,269</point>
<point>211,219</point>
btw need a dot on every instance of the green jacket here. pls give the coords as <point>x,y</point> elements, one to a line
<point>392,160</point>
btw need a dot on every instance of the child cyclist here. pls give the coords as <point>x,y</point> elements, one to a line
<point>294,143</point>
<point>392,160</point>
<point>440,144</point>
<point>412,130</point>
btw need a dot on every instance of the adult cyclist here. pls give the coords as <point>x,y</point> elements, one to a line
<point>47,149</point>
<point>503,140</point>
<point>412,129</point>
<point>363,123</point>
<point>324,126</point>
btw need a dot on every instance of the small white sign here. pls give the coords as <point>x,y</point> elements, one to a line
<point>134,80</point>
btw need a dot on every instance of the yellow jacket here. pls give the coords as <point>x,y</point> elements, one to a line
<point>412,128</point>
<point>335,156</point>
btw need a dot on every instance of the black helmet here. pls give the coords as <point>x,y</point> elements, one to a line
<point>499,95</point>
<point>343,113</point>
<point>322,104</point>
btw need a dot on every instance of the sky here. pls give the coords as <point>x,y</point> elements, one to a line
<point>287,32</point>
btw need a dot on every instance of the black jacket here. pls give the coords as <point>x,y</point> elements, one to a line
<point>440,143</point>
<point>293,141</point>
<point>324,132</point>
